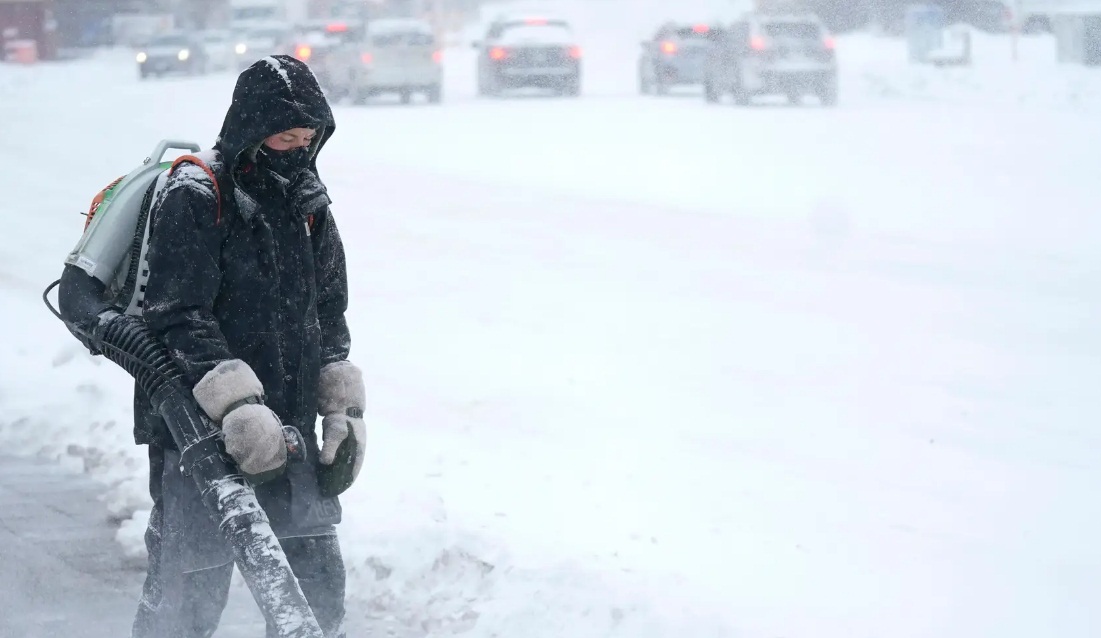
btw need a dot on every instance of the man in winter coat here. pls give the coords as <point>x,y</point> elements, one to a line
<point>248,289</point>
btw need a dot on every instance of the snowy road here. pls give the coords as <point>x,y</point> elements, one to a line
<point>62,574</point>
<point>646,368</point>
<point>60,566</point>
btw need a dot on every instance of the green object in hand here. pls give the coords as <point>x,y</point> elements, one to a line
<point>334,479</point>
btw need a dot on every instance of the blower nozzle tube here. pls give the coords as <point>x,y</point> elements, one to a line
<point>229,498</point>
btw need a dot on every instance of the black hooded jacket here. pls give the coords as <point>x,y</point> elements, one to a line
<point>249,265</point>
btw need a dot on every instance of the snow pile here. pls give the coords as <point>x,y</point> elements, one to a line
<point>876,68</point>
<point>14,79</point>
<point>412,570</point>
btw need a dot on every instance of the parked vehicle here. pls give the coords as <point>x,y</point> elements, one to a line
<point>172,53</point>
<point>261,42</point>
<point>676,55</point>
<point>218,46</point>
<point>519,52</point>
<point>316,42</point>
<point>396,55</point>
<point>791,55</point>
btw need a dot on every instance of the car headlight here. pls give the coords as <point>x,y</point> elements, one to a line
<point>241,48</point>
<point>142,57</point>
<point>183,55</point>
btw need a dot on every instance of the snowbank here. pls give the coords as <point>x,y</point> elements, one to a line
<point>876,69</point>
<point>413,571</point>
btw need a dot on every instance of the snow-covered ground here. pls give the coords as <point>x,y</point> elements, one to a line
<point>646,367</point>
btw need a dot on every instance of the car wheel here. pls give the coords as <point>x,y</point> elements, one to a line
<point>710,93</point>
<point>661,88</point>
<point>741,96</point>
<point>644,87</point>
<point>827,93</point>
<point>434,94</point>
<point>488,87</point>
<point>572,88</point>
<point>406,96</point>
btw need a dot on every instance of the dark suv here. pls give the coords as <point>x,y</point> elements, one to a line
<point>790,55</point>
<point>529,52</point>
<point>175,53</point>
<point>675,56</point>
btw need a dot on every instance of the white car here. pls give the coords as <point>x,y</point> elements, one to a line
<point>394,56</point>
<point>218,46</point>
<point>529,52</point>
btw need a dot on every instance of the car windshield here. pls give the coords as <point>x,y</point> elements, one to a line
<point>253,13</point>
<point>316,38</point>
<point>792,30</point>
<point>399,38</point>
<point>539,33</point>
<point>268,35</point>
<point>693,33</point>
<point>169,41</point>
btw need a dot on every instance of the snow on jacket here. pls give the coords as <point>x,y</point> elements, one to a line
<point>253,269</point>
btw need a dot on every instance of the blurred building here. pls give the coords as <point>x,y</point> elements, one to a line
<point>79,24</point>
<point>87,23</point>
<point>28,21</point>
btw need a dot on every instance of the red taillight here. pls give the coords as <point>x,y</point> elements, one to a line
<point>668,48</point>
<point>367,58</point>
<point>701,28</point>
<point>830,43</point>
<point>303,53</point>
<point>536,21</point>
<point>498,54</point>
<point>575,53</point>
<point>437,56</point>
<point>336,27</point>
<point>757,43</point>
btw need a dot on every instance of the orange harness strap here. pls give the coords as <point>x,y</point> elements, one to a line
<point>191,159</point>
<point>97,200</point>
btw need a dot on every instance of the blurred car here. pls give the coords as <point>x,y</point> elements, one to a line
<point>218,46</point>
<point>519,52</point>
<point>172,53</point>
<point>260,42</point>
<point>675,56</point>
<point>315,42</point>
<point>791,55</point>
<point>396,55</point>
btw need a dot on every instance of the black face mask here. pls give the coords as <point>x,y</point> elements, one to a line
<point>284,163</point>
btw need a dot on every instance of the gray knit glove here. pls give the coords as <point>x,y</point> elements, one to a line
<point>231,395</point>
<point>341,401</point>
